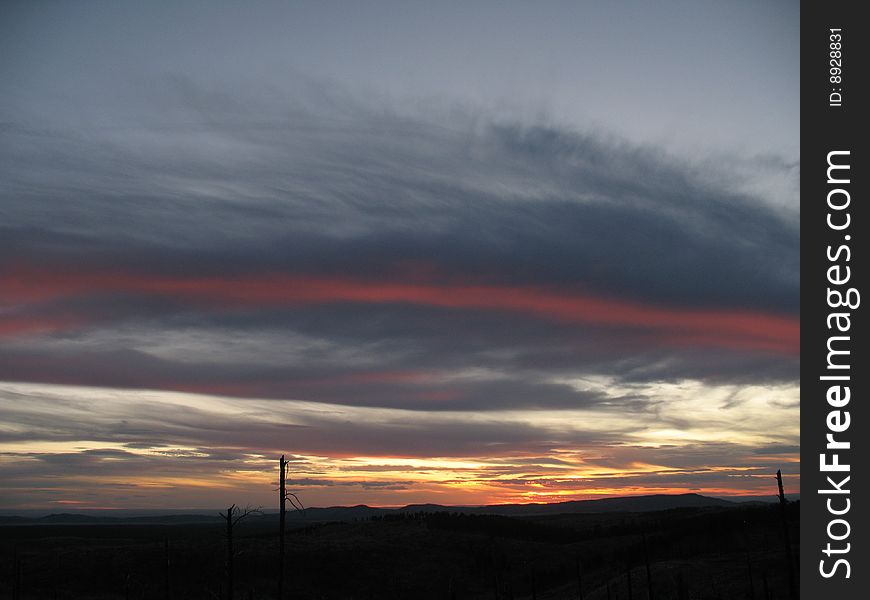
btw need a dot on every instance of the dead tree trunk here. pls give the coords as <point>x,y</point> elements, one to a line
<point>229,518</point>
<point>296,503</point>
<point>233,516</point>
<point>281,521</point>
<point>783,504</point>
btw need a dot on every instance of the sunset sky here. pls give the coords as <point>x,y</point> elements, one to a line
<point>467,253</point>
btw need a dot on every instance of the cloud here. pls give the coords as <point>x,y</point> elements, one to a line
<point>298,190</point>
<point>173,447</point>
<point>339,280</point>
<point>250,216</point>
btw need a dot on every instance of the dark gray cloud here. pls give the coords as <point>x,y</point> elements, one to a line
<point>231,189</point>
<point>505,203</point>
<point>499,234</point>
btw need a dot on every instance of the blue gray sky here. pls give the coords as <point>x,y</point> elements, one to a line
<point>464,252</point>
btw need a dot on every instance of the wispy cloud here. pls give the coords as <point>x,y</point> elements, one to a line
<point>350,283</point>
<point>175,449</point>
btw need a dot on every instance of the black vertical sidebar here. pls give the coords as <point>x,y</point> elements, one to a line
<point>834,228</point>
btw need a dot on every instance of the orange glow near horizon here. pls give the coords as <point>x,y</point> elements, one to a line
<point>461,494</point>
<point>188,468</point>
<point>442,481</point>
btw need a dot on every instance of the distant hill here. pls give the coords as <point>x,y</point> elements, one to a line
<point>96,519</point>
<point>627,504</point>
<point>767,499</point>
<point>607,505</point>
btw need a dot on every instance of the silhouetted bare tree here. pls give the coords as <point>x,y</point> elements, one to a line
<point>783,503</point>
<point>233,515</point>
<point>284,497</point>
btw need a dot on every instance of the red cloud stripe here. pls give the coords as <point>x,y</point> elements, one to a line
<point>728,328</point>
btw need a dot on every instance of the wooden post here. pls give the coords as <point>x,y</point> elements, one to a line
<point>166,593</point>
<point>749,571</point>
<point>16,585</point>
<point>649,583</point>
<point>783,504</point>
<point>56,571</point>
<point>579,580</point>
<point>628,576</point>
<point>682,588</point>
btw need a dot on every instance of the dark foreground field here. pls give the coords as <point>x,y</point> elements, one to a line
<point>721,553</point>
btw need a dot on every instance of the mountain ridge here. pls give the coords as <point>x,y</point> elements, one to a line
<point>627,504</point>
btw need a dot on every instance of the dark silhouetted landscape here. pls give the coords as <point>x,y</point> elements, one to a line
<point>683,546</point>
